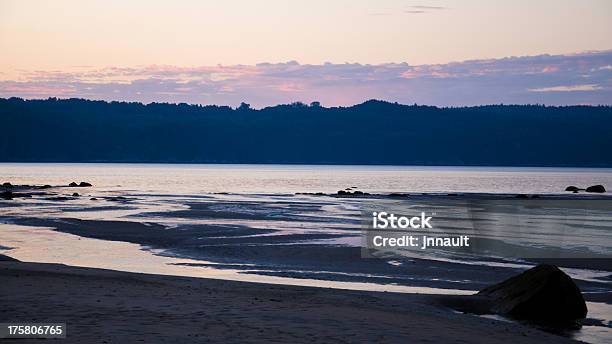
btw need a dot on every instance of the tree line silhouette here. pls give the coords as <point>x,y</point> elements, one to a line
<point>374,132</point>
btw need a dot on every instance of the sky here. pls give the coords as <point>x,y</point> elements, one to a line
<point>338,52</point>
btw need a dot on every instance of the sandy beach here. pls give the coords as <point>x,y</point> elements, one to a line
<point>104,306</point>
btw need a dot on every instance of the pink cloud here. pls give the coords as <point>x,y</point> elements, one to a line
<point>507,80</point>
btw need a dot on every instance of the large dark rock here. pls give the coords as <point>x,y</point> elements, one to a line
<point>572,188</point>
<point>4,258</point>
<point>73,184</point>
<point>7,185</point>
<point>543,293</point>
<point>596,188</point>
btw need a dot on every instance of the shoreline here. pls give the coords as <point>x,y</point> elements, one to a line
<point>62,193</point>
<point>284,238</point>
<point>248,255</point>
<point>110,306</point>
<point>297,164</point>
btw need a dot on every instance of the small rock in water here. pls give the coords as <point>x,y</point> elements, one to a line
<point>7,195</point>
<point>76,194</point>
<point>73,184</point>
<point>354,193</point>
<point>572,188</point>
<point>596,188</point>
<point>84,184</point>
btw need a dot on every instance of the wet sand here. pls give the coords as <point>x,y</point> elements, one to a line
<point>104,306</point>
<point>285,239</point>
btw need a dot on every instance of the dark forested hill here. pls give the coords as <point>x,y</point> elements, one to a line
<point>374,132</point>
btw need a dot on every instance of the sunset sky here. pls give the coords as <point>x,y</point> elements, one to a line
<point>339,52</point>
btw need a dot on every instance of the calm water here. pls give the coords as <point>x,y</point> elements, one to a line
<point>244,222</point>
<point>272,179</point>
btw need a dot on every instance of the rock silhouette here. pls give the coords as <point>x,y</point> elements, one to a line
<point>596,188</point>
<point>543,293</point>
<point>354,193</point>
<point>4,258</point>
<point>81,184</point>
